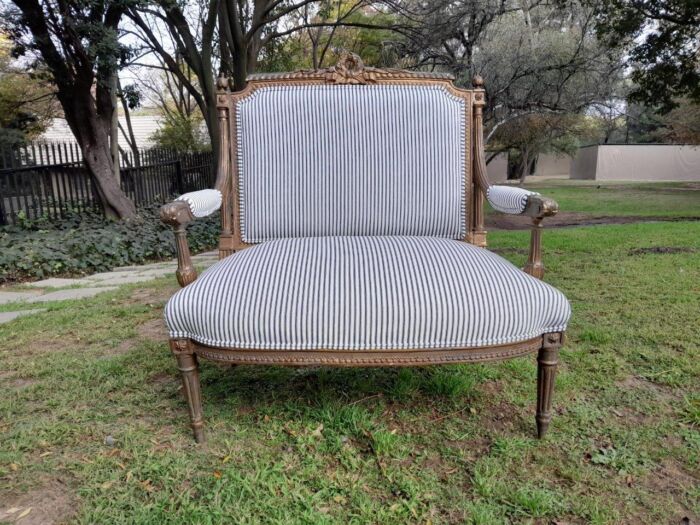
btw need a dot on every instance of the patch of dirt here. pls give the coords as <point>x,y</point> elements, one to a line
<point>55,344</point>
<point>52,502</point>
<point>154,329</point>
<point>14,382</point>
<point>671,479</point>
<point>567,219</point>
<point>639,383</point>
<point>152,296</point>
<point>162,378</point>
<point>662,249</point>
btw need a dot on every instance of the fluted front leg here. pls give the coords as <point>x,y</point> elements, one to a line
<point>189,368</point>
<point>547,361</point>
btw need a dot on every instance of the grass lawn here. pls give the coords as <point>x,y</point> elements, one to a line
<point>665,199</point>
<point>451,444</point>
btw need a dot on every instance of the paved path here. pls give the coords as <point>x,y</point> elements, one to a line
<point>59,289</point>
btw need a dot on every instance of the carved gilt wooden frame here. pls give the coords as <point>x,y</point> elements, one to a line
<point>350,70</point>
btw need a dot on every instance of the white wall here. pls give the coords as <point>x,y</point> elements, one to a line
<point>638,162</point>
<point>144,127</point>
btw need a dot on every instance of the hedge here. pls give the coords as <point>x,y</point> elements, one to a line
<point>81,245</point>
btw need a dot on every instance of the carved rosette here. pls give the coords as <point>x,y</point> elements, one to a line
<point>350,69</point>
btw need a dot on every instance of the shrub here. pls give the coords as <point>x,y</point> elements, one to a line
<point>80,245</point>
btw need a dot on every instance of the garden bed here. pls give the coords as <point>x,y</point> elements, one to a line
<point>82,245</point>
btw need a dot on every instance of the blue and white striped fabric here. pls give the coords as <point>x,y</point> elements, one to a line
<point>202,202</point>
<point>363,293</point>
<point>351,160</point>
<point>508,199</point>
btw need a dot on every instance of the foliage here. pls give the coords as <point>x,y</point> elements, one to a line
<point>541,63</point>
<point>664,41</point>
<point>182,133</point>
<point>532,134</point>
<point>334,26</point>
<point>27,103</point>
<point>88,244</point>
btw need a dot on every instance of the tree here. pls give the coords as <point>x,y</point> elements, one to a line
<point>77,40</point>
<point>531,135</point>
<point>663,37</point>
<point>542,64</point>
<point>229,35</point>
<point>27,99</point>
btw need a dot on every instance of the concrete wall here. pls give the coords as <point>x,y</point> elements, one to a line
<point>584,164</point>
<point>552,165</point>
<point>638,162</point>
<point>497,169</point>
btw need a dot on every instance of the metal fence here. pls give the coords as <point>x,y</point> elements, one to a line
<point>54,190</point>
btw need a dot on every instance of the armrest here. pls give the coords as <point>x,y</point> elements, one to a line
<point>202,202</point>
<point>178,214</point>
<point>518,201</point>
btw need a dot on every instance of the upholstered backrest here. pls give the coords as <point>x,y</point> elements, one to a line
<point>347,151</point>
<point>325,160</point>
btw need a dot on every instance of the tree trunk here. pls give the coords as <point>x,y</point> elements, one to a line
<point>92,134</point>
<point>99,161</point>
<point>524,166</point>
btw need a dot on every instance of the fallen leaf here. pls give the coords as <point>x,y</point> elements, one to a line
<point>318,431</point>
<point>217,474</point>
<point>226,459</point>
<point>266,419</point>
<point>14,467</point>
<point>44,454</point>
<point>106,485</point>
<point>13,510</point>
<point>24,513</point>
<point>340,499</point>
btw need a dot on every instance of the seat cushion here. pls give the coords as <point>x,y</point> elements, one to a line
<point>364,293</point>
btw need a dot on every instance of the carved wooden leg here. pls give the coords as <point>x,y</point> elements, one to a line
<point>188,366</point>
<point>534,265</point>
<point>547,360</point>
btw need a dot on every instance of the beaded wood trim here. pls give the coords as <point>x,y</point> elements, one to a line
<point>367,358</point>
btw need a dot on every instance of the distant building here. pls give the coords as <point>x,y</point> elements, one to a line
<point>637,162</point>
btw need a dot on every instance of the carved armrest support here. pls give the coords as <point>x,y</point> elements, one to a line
<point>178,215</point>
<point>537,207</point>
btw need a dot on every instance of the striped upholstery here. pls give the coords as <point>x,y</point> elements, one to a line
<point>202,202</point>
<point>359,293</point>
<point>508,199</point>
<point>351,160</point>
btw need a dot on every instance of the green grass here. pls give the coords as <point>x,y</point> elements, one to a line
<point>666,199</point>
<point>452,444</point>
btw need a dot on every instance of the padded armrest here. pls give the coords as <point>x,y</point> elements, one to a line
<point>202,202</point>
<point>178,214</point>
<point>508,199</point>
<point>518,201</point>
